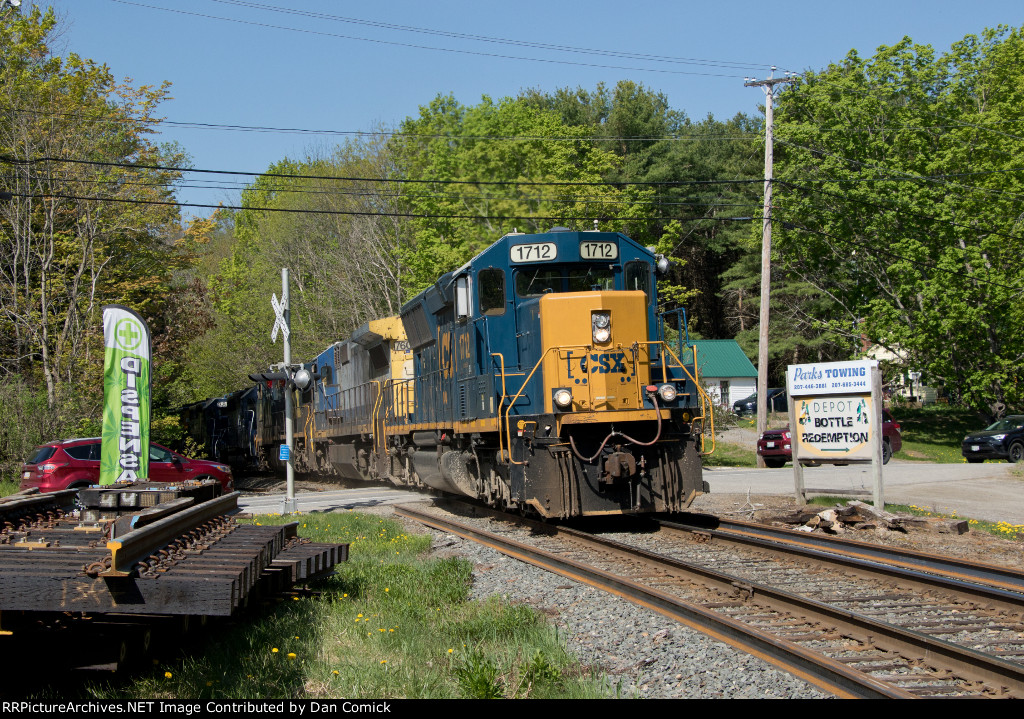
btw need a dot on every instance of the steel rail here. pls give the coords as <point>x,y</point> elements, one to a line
<point>989,581</point>
<point>37,502</point>
<point>128,550</point>
<point>823,672</point>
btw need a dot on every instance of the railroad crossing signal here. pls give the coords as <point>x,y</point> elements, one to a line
<point>280,323</point>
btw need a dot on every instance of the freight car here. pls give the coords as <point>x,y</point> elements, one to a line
<point>535,377</point>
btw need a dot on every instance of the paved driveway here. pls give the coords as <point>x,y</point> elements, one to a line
<point>993,491</point>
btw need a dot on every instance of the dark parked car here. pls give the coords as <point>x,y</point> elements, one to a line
<point>778,402</point>
<point>74,463</point>
<point>776,448</point>
<point>1002,440</point>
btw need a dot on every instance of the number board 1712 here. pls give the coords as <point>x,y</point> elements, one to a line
<point>533,252</point>
<point>595,250</point>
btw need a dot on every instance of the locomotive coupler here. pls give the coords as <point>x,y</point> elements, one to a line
<point>618,465</point>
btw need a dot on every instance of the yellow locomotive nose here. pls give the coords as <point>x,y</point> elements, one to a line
<point>598,351</point>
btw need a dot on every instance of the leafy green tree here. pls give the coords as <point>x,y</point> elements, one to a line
<point>902,201</point>
<point>700,173</point>
<point>75,234</point>
<point>88,224</point>
<point>335,222</point>
<point>501,166</point>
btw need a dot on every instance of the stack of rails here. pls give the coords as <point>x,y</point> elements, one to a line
<point>147,549</point>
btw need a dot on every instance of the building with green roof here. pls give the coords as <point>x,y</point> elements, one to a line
<point>726,372</point>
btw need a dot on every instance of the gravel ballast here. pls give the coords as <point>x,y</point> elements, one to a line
<point>643,654</point>
<point>646,655</point>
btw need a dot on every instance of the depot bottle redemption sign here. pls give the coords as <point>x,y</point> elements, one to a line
<point>836,417</point>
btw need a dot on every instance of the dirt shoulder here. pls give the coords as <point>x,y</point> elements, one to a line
<point>975,545</point>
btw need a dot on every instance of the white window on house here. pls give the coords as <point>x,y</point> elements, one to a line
<point>723,392</point>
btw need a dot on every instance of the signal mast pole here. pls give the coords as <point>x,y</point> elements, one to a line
<point>766,249</point>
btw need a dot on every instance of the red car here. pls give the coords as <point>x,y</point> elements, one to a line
<point>774,444</point>
<point>75,463</point>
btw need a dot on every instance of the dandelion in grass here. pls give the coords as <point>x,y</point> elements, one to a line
<point>167,675</point>
<point>335,672</point>
<point>291,656</point>
<point>274,650</point>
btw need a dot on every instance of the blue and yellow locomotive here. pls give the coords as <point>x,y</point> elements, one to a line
<point>535,377</point>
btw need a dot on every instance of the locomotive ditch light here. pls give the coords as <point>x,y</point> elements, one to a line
<point>563,398</point>
<point>667,392</point>
<point>601,324</point>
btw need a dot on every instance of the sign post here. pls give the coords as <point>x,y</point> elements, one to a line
<point>283,312</point>
<point>835,416</point>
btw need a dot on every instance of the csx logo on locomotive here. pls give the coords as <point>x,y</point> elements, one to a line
<point>598,363</point>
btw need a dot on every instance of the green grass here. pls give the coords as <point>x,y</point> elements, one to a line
<point>727,454</point>
<point>391,624</point>
<point>1003,530</point>
<point>934,433</point>
<point>9,486</point>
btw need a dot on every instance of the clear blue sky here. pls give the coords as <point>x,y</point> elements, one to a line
<point>344,66</point>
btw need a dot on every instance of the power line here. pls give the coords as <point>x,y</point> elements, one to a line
<point>578,200</point>
<point>884,251</point>
<point>504,41</point>
<point>184,124</point>
<point>411,215</point>
<point>532,183</point>
<point>896,208</point>
<point>910,176</point>
<point>417,47</point>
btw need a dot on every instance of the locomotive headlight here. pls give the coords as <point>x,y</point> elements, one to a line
<point>563,398</point>
<point>667,392</point>
<point>601,322</point>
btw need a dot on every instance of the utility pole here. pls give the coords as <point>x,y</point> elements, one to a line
<point>766,250</point>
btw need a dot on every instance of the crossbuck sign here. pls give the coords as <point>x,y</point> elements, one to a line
<point>279,323</point>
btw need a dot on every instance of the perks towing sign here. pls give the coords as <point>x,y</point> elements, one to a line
<point>124,454</point>
<point>836,415</point>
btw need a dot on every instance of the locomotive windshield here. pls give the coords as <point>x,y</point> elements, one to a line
<point>575,278</point>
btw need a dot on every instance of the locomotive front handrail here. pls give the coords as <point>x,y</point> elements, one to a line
<point>705,399</point>
<point>508,426</point>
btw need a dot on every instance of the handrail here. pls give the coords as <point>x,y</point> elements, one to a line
<point>508,426</point>
<point>501,449</point>
<point>375,414</point>
<point>705,399</point>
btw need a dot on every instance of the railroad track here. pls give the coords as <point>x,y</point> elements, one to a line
<point>855,631</point>
<point>119,562</point>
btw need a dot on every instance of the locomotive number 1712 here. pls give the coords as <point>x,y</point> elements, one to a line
<point>533,252</point>
<point>591,250</point>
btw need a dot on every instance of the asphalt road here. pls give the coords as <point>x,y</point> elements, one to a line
<point>993,491</point>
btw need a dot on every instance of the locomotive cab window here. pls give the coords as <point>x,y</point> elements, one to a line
<point>638,277</point>
<point>535,282</point>
<point>583,278</point>
<point>492,291</point>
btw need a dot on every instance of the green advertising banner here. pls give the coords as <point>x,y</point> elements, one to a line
<point>126,396</point>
